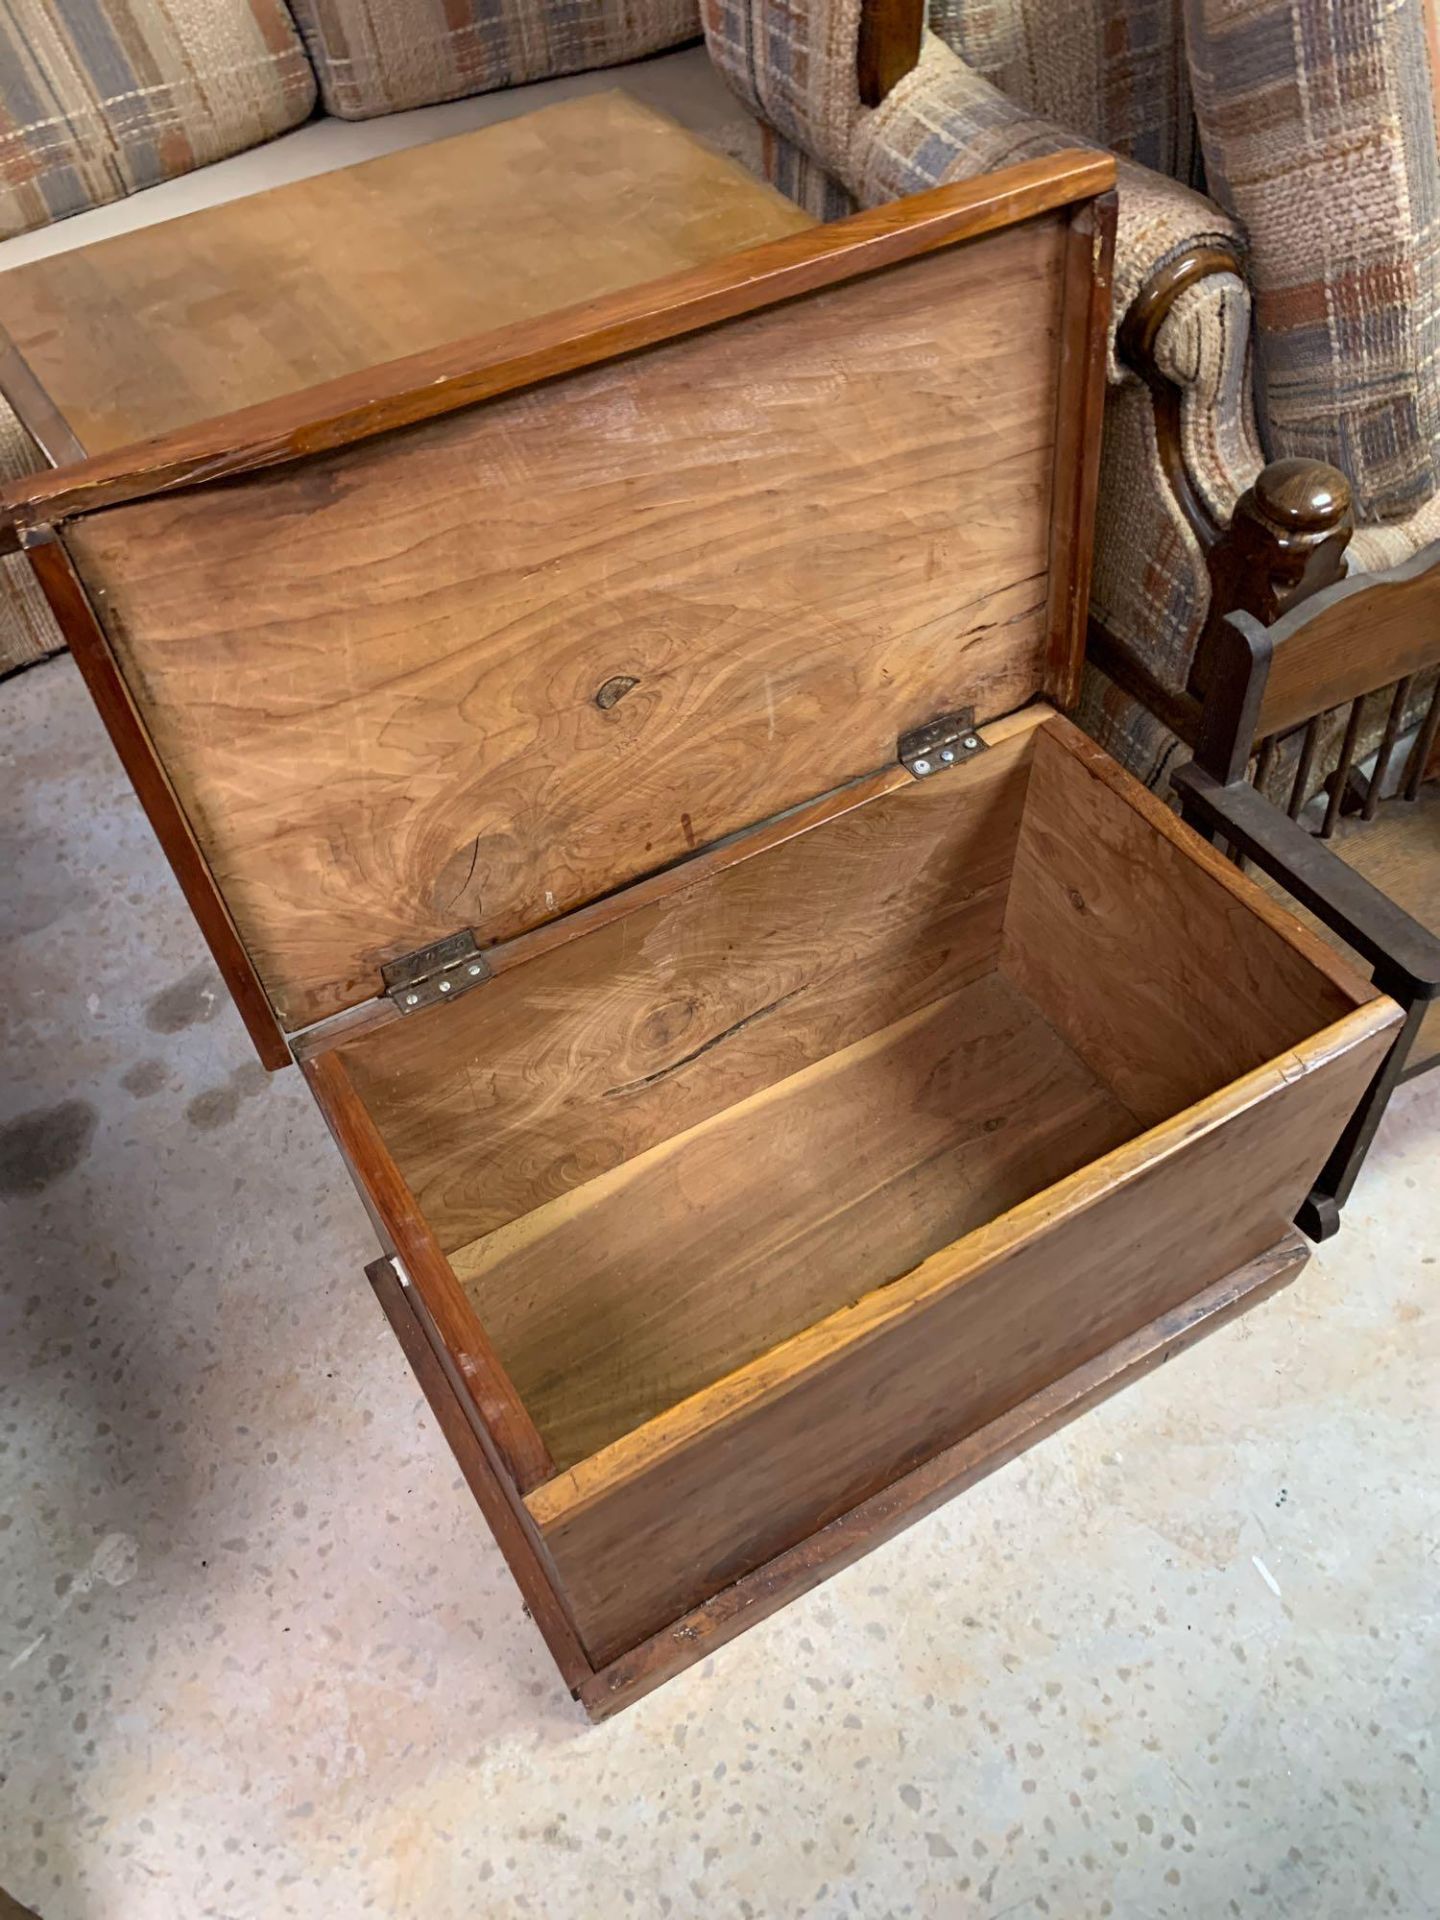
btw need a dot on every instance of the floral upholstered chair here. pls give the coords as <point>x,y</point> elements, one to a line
<point>1286,311</point>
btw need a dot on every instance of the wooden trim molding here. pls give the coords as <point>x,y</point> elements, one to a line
<point>629,1677</point>
<point>506,1520</point>
<point>482,1381</point>
<point>1079,417</point>
<point>421,386</point>
<point>85,637</point>
<point>757,1595</point>
<point>34,409</point>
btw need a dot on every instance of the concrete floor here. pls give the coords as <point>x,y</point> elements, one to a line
<point>258,1656</point>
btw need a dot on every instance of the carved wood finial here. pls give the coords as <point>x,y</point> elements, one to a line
<point>1300,497</point>
<point>1286,540</point>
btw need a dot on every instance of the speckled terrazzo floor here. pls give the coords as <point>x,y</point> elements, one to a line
<point>258,1656</point>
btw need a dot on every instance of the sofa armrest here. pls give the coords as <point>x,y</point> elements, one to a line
<point>1180,440</point>
<point>1405,956</point>
<point>1186,334</point>
<point>941,121</point>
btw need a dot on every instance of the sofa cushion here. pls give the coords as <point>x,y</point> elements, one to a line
<point>1319,128</point>
<point>379,56</point>
<point>1112,70</point>
<point>101,97</point>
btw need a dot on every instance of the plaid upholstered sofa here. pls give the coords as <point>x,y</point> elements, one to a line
<point>100,99</point>
<point>1288,313</point>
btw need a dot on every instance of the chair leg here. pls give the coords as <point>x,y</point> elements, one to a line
<point>1319,1217</point>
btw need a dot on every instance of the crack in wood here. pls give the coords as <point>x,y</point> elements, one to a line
<point>715,1040</point>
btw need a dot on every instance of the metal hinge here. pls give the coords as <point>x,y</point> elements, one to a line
<point>441,972</point>
<point>942,742</point>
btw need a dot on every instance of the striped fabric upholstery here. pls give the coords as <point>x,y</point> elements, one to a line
<point>794,64</point>
<point>27,626</point>
<point>944,122</point>
<point>1318,119</point>
<point>100,97</point>
<point>1318,123</point>
<point>1113,70</point>
<point>378,56</point>
<point>801,179</point>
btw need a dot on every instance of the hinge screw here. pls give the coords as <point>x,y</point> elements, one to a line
<point>444,986</point>
<point>412,999</point>
<point>948,753</point>
<point>474,970</point>
<point>922,766</point>
<point>971,742</point>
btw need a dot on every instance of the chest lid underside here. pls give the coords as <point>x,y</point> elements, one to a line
<point>461,645</point>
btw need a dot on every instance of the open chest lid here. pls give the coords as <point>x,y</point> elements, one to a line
<point>444,651</point>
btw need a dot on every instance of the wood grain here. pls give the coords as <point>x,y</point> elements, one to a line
<point>887,45</point>
<point>344,1029</point>
<point>375,676</point>
<point>1354,637</point>
<point>1165,970</point>
<point>754,1597</point>
<point>685,996</point>
<point>75,616</point>
<point>505,1515</point>
<point>617,1301</point>
<point>422,386</point>
<point>1079,419</point>
<point>461,1343</point>
<point>667,1517</point>
<point>265,296</point>
<point>34,407</point>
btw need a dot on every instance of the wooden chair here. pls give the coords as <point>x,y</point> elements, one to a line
<point>1376,887</point>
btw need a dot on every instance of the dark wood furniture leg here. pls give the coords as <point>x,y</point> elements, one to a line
<point>1403,955</point>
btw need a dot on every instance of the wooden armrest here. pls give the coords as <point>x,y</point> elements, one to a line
<point>1135,339</point>
<point>888,46</point>
<point>1405,955</point>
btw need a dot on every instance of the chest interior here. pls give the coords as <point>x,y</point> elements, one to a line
<point>666,1139</point>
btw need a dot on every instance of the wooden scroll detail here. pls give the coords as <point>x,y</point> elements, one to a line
<point>1135,344</point>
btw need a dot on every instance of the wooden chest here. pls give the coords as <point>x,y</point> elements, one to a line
<point>789,1067</point>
